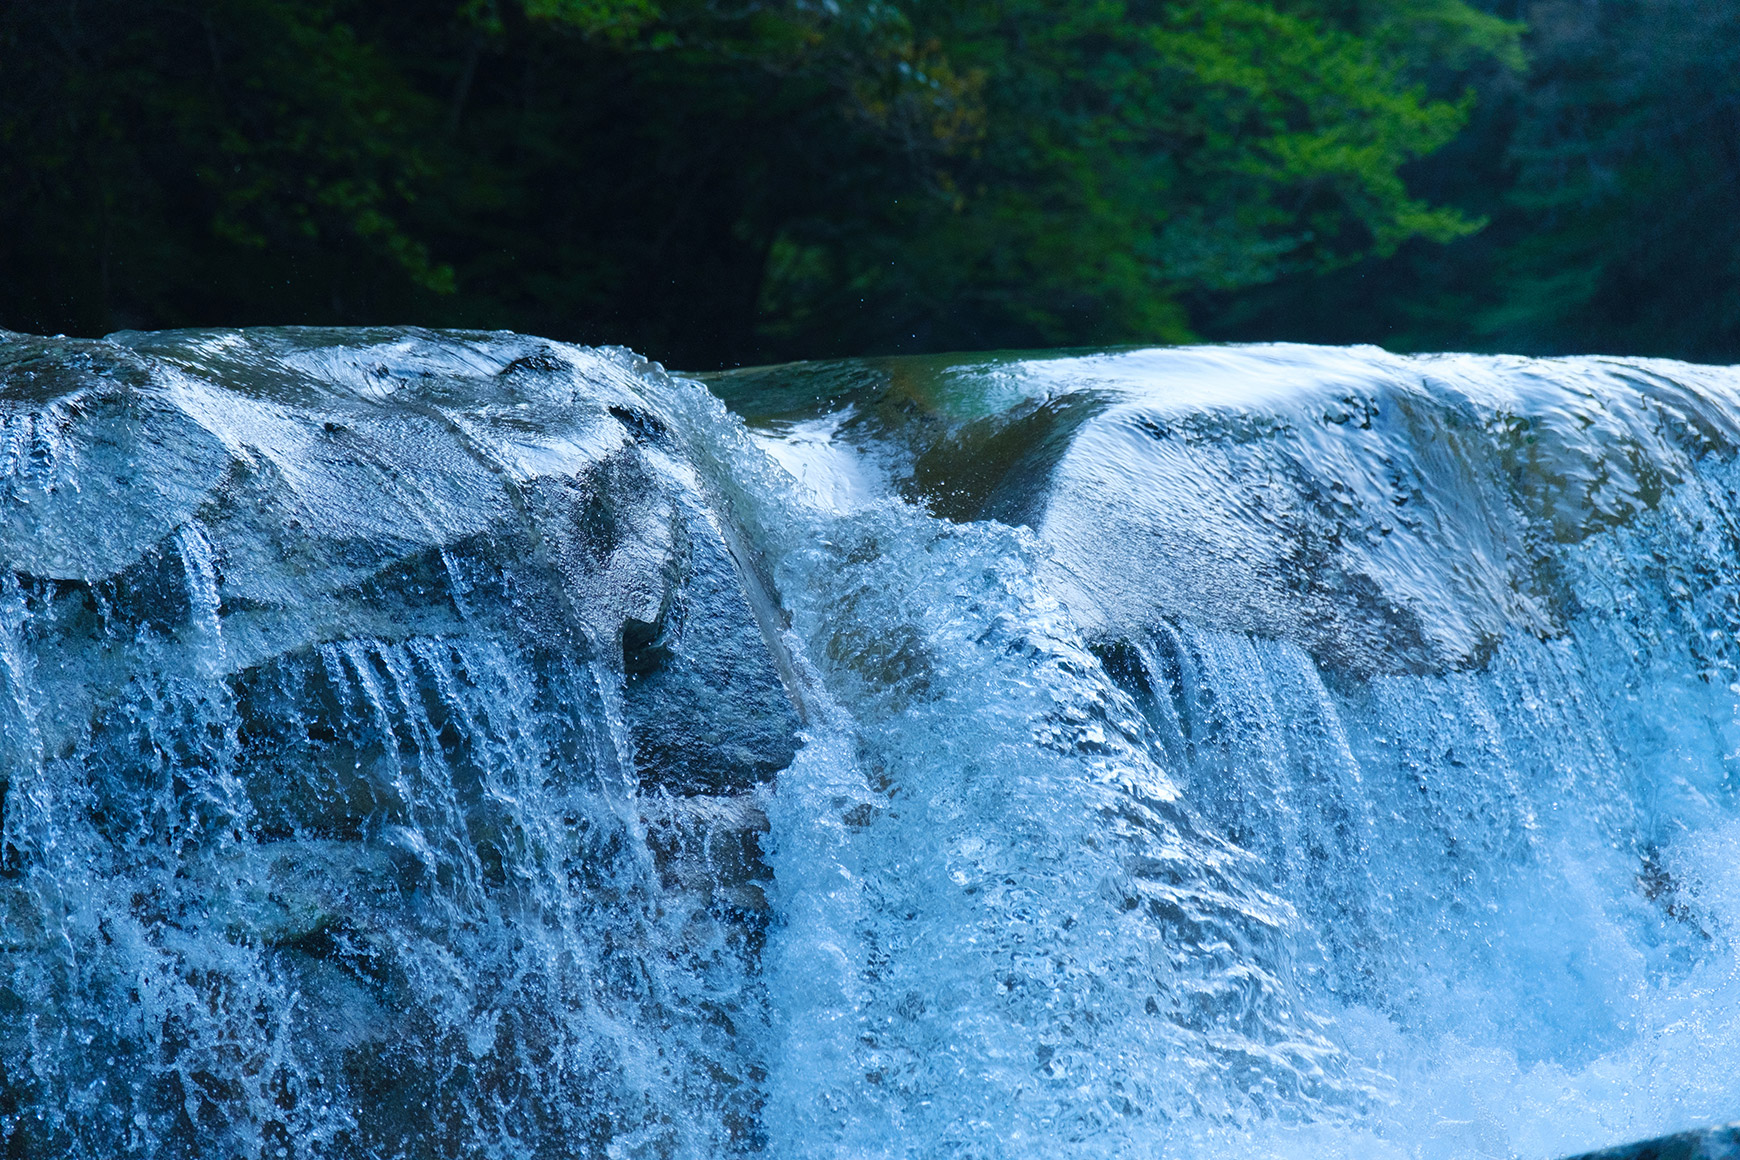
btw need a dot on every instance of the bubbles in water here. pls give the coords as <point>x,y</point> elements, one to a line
<point>467,745</point>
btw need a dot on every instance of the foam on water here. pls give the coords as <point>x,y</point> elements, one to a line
<point>431,745</point>
<point>1486,772</point>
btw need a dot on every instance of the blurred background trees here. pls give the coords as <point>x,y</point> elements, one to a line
<point>1609,175</point>
<point>725,181</point>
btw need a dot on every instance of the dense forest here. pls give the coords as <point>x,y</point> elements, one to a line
<point>718,182</point>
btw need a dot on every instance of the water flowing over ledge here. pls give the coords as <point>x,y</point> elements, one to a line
<point>464,744</point>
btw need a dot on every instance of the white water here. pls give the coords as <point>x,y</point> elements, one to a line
<point>1267,751</point>
<point>1509,886</point>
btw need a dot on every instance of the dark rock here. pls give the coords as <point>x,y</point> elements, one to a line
<point>358,688</point>
<point>1722,1143</point>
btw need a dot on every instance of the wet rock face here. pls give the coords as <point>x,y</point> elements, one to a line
<point>1707,1144</point>
<point>705,701</point>
<point>1390,515</point>
<point>369,680</point>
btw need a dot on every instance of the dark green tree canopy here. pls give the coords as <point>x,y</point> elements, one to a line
<point>715,182</point>
<point>1610,172</point>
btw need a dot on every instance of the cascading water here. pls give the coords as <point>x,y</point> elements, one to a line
<point>467,745</point>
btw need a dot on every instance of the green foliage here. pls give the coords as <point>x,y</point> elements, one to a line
<point>1610,172</point>
<point>613,19</point>
<point>1628,182</point>
<point>138,167</point>
<point>1128,153</point>
<point>715,183</point>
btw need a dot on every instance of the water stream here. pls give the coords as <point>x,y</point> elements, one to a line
<point>433,745</point>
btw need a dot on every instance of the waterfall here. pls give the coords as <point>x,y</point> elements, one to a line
<point>455,744</point>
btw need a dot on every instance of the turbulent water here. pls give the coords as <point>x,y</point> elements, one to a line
<point>464,745</point>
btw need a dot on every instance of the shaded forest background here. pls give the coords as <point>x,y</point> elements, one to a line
<point>717,182</point>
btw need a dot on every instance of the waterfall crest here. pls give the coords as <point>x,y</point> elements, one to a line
<point>430,744</point>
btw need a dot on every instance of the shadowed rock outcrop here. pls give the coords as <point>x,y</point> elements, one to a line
<point>368,680</point>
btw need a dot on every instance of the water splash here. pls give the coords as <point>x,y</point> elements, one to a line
<point>1444,646</point>
<point>463,744</point>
